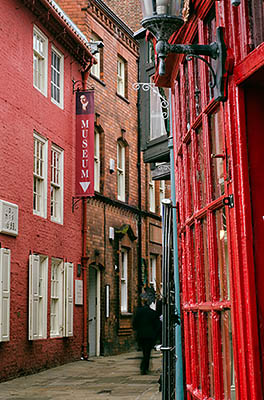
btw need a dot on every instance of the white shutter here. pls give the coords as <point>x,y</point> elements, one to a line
<point>68,285</point>
<point>5,255</point>
<point>45,301</point>
<point>34,262</point>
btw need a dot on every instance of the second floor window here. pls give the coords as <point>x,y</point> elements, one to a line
<point>162,194</point>
<point>40,176</point>
<point>40,60</point>
<point>97,69</point>
<point>121,77</point>
<point>56,184</point>
<point>57,77</point>
<point>152,201</point>
<point>121,171</point>
<point>96,160</point>
<point>157,122</point>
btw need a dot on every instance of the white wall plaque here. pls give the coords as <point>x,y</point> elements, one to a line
<point>78,292</point>
<point>8,218</point>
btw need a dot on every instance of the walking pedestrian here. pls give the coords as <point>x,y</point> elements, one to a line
<point>146,324</point>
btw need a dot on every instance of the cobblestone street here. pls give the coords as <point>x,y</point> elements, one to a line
<point>114,377</point>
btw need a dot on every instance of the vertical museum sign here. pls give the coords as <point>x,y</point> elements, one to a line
<point>84,143</point>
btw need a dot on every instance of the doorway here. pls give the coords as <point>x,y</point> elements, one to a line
<point>94,312</point>
<point>254,106</point>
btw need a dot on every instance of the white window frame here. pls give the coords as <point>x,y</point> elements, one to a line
<point>124,281</point>
<point>38,297</point>
<point>96,68</point>
<point>121,173</point>
<point>56,298</point>
<point>56,184</point>
<point>152,199</point>
<point>40,61</point>
<point>5,261</point>
<point>121,77</point>
<point>97,161</point>
<point>157,121</point>
<point>153,271</point>
<point>58,82</point>
<point>61,304</point>
<point>40,176</point>
<point>162,188</point>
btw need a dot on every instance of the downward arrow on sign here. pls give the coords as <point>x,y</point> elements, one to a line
<point>84,185</point>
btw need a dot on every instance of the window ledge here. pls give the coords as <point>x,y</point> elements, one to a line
<point>126,314</point>
<point>98,80</point>
<point>123,98</point>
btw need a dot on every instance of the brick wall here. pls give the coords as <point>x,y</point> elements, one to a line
<point>128,10</point>
<point>24,109</point>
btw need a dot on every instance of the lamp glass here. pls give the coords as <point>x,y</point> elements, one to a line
<point>151,8</point>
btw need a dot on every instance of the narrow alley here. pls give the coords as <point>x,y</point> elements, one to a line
<point>114,377</point>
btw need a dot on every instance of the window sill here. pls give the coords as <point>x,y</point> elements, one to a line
<point>126,314</point>
<point>56,221</point>
<point>54,336</point>
<point>98,80</point>
<point>123,98</point>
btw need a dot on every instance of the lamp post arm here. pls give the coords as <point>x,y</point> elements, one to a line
<point>210,50</point>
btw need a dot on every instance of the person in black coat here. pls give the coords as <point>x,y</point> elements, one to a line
<point>146,324</point>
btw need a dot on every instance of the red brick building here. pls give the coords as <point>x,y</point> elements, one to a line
<point>54,246</point>
<point>123,244</point>
<point>41,239</point>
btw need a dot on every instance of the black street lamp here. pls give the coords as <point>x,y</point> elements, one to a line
<point>165,17</point>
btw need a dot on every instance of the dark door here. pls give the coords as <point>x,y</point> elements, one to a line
<point>254,103</point>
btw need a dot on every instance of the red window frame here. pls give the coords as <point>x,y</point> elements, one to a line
<point>206,302</point>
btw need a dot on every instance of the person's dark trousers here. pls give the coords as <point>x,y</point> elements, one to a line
<point>146,344</point>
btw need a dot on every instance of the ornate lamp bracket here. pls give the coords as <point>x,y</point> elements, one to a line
<point>76,86</point>
<point>151,86</point>
<point>75,201</point>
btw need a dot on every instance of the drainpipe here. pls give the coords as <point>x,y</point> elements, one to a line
<point>139,194</point>
<point>178,342</point>
<point>85,257</point>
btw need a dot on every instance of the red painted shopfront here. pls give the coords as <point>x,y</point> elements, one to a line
<point>218,151</point>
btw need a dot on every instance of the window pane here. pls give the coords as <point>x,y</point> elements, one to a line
<point>210,355</point>
<point>222,253</point>
<point>205,261</point>
<point>217,150</point>
<point>157,122</point>
<point>190,175</point>
<point>55,76</point>
<point>200,172</point>
<point>187,96</point>
<point>227,356</point>
<point>193,278</point>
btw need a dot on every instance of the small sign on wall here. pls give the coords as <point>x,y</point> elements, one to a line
<point>78,292</point>
<point>8,218</point>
